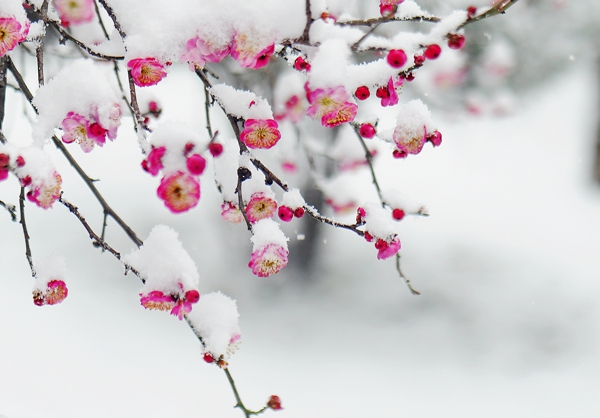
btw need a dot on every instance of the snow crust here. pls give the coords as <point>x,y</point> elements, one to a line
<point>81,87</point>
<point>163,263</point>
<point>267,231</point>
<point>52,267</point>
<point>215,318</point>
<point>242,103</point>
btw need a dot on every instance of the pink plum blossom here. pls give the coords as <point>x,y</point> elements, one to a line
<point>260,133</point>
<point>331,105</point>
<point>45,194</point>
<point>146,71</point>
<point>75,11</point>
<point>268,260</point>
<point>56,291</point>
<point>97,133</point>
<point>177,305</point>
<point>250,53</point>
<point>260,207</point>
<point>11,34</point>
<point>408,141</point>
<point>387,249</point>
<point>157,300</point>
<point>199,51</point>
<point>231,213</point>
<point>153,164</point>
<point>75,128</point>
<point>392,98</point>
<point>179,191</point>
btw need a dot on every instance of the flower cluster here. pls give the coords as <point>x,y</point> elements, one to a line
<point>178,304</point>
<point>55,292</point>
<point>42,181</point>
<point>176,152</point>
<point>379,229</point>
<point>11,34</point>
<point>89,131</point>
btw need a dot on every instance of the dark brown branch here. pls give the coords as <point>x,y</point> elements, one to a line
<point>100,22</point>
<point>88,181</point>
<point>140,122</point>
<point>25,232</point>
<point>413,291</point>
<point>369,158</point>
<point>376,21</point>
<point>3,85</point>
<point>96,240</point>
<point>66,35</point>
<point>12,209</point>
<point>113,17</point>
<point>312,212</point>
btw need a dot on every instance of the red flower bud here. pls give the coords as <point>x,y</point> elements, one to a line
<point>362,93</point>
<point>274,403</point>
<point>433,51</point>
<point>215,149</point>
<point>396,58</point>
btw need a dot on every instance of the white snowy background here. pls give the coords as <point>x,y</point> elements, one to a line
<point>507,324</point>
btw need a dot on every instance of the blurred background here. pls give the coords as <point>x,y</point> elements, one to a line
<point>508,320</point>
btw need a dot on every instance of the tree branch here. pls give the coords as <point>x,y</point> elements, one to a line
<point>88,181</point>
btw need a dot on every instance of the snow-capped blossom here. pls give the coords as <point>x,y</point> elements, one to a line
<point>199,51</point>
<point>331,105</point>
<point>56,291</point>
<point>216,320</point>
<point>11,34</point>
<point>231,213</point>
<point>414,123</point>
<point>171,277</point>
<point>268,260</point>
<point>45,194</point>
<point>157,300</point>
<point>153,164</point>
<point>75,128</point>
<point>49,287</point>
<point>249,52</point>
<point>260,133</point>
<point>409,142</point>
<point>180,191</point>
<point>175,303</point>
<point>387,249</point>
<point>146,71</point>
<point>260,206</point>
<point>75,11</point>
<point>86,133</point>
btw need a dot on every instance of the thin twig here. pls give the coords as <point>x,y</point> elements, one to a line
<point>96,240</point>
<point>413,291</point>
<point>140,122</point>
<point>25,232</point>
<point>113,17</point>
<point>12,209</point>
<point>369,158</point>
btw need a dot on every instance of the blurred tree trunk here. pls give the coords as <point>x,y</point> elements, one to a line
<point>597,156</point>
